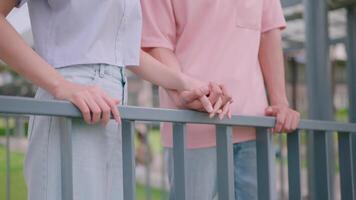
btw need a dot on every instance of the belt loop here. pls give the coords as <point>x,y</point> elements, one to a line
<point>101,71</point>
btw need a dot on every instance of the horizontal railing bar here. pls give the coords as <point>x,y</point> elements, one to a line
<point>24,105</point>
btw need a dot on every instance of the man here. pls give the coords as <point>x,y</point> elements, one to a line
<point>233,42</point>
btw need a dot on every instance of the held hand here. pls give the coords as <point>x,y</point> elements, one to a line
<point>287,119</point>
<point>196,99</point>
<point>221,99</point>
<point>92,101</point>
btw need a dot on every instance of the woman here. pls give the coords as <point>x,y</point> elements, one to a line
<point>81,49</point>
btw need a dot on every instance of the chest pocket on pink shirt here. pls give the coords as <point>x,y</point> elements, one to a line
<point>249,14</point>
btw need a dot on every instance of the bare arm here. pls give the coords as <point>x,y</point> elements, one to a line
<point>15,52</point>
<point>157,73</point>
<point>191,100</point>
<point>271,59</point>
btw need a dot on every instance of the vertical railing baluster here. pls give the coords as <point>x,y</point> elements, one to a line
<point>225,162</point>
<point>351,72</point>
<point>128,160</point>
<point>281,168</point>
<point>179,153</point>
<point>265,173</point>
<point>147,167</point>
<point>345,160</point>
<point>293,141</point>
<point>66,158</point>
<point>353,149</point>
<point>321,169</point>
<point>163,174</point>
<point>8,160</point>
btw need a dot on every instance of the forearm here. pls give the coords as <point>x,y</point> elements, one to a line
<point>271,60</point>
<point>154,71</point>
<point>16,53</point>
<point>167,57</point>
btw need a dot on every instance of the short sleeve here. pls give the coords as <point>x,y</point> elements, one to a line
<point>159,27</point>
<point>21,3</point>
<point>272,16</point>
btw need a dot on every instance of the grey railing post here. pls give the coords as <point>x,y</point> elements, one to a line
<point>351,71</point>
<point>265,172</point>
<point>345,160</point>
<point>321,167</point>
<point>147,167</point>
<point>180,182</point>
<point>294,166</point>
<point>66,158</point>
<point>128,160</point>
<point>319,87</point>
<point>225,162</point>
<point>8,160</point>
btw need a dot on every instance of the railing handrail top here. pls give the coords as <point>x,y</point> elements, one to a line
<point>31,106</point>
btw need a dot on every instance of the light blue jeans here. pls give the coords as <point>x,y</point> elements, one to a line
<point>97,157</point>
<point>202,172</point>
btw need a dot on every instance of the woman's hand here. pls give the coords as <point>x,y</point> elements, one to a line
<point>92,101</point>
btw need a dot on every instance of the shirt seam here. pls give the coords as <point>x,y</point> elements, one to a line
<point>117,40</point>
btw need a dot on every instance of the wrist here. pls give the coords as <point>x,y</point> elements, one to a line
<point>59,87</point>
<point>190,83</point>
<point>280,102</point>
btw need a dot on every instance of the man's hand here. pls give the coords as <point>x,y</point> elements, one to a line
<point>287,119</point>
<point>92,101</point>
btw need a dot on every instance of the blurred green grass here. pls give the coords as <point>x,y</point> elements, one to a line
<point>18,187</point>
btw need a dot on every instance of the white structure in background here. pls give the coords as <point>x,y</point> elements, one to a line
<point>20,19</point>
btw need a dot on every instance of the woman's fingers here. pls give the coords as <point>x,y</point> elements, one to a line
<point>83,107</point>
<point>94,108</point>
<point>225,111</point>
<point>92,101</point>
<point>105,109</point>
<point>217,107</point>
<point>226,95</point>
<point>113,104</point>
<point>215,92</point>
<point>206,104</point>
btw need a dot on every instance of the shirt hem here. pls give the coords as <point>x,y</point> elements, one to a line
<point>83,62</point>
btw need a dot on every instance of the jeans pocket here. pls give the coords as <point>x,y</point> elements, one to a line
<point>82,74</point>
<point>249,14</point>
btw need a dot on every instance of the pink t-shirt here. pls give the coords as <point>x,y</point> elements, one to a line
<point>214,40</point>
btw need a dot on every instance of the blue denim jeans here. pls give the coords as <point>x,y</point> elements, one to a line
<point>202,172</point>
<point>96,150</point>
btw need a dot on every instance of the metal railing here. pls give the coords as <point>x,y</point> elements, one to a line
<point>179,118</point>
